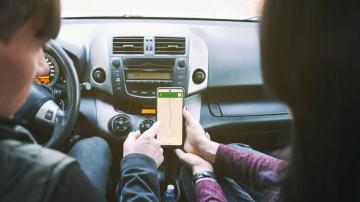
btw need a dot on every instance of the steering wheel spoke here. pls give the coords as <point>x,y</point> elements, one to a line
<point>47,113</point>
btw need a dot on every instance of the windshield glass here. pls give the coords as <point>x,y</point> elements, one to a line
<point>209,9</point>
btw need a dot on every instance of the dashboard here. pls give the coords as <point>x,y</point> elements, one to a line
<point>126,60</point>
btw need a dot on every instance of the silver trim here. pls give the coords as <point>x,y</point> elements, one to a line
<point>104,113</point>
<point>99,58</point>
<point>198,59</point>
<point>49,105</point>
<point>193,104</point>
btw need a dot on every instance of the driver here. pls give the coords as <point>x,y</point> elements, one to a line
<point>29,172</point>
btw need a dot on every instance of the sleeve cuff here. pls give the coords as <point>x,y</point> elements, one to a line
<point>220,156</point>
<point>137,160</point>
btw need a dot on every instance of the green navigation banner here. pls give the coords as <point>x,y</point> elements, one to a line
<point>169,95</point>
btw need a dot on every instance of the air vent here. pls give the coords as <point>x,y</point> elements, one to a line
<point>169,45</point>
<point>128,45</point>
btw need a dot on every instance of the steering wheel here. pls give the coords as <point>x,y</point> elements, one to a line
<point>40,107</point>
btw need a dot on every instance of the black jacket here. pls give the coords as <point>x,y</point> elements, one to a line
<point>139,180</point>
<point>30,172</point>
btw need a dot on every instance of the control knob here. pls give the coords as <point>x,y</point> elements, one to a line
<point>146,124</point>
<point>121,124</point>
<point>199,76</point>
<point>182,63</point>
<point>116,63</point>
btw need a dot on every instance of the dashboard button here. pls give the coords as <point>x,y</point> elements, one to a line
<point>182,63</point>
<point>180,83</point>
<point>116,63</point>
<point>99,75</point>
<point>180,76</point>
<point>49,115</point>
<point>199,76</point>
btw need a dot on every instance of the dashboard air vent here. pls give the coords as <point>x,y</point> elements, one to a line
<point>128,45</point>
<point>169,45</point>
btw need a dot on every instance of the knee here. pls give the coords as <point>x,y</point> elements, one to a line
<point>93,145</point>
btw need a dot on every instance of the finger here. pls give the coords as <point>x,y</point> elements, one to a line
<point>179,153</point>
<point>188,117</point>
<point>160,161</point>
<point>186,123</point>
<point>207,135</point>
<point>183,157</point>
<point>157,142</point>
<point>151,132</point>
<point>133,136</point>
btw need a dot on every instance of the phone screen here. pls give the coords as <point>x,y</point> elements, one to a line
<point>169,113</point>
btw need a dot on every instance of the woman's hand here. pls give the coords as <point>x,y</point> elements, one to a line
<point>196,163</point>
<point>197,140</point>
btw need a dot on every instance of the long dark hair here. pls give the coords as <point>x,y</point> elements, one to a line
<point>310,51</point>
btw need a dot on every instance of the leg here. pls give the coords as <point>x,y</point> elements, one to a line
<point>94,157</point>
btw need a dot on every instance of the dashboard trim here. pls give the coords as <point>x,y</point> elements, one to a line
<point>99,58</point>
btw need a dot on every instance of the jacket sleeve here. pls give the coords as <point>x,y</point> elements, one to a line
<point>139,181</point>
<point>209,190</point>
<point>248,167</point>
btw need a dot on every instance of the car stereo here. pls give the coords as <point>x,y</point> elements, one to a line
<point>140,77</point>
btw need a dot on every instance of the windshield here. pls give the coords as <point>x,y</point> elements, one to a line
<point>209,9</point>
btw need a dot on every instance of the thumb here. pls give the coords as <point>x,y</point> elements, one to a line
<point>207,135</point>
<point>183,157</point>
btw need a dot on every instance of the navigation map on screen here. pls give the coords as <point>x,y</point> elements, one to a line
<point>169,112</point>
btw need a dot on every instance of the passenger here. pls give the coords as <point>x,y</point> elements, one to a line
<point>29,172</point>
<point>310,60</point>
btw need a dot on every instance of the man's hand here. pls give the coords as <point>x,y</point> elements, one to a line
<point>145,144</point>
<point>197,140</point>
<point>196,163</point>
<point>41,66</point>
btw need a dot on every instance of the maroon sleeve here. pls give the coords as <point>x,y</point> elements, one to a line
<point>245,166</point>
<point>209,190</point>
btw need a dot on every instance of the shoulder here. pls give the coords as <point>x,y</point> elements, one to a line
<point>30,170</point>
<point>17,152</point>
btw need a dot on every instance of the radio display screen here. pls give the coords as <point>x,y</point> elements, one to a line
<point>148,75</point>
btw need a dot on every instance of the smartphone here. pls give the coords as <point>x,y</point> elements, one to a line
<point>169,104</point>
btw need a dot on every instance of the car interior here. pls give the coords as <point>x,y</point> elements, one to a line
<point>105,69</point>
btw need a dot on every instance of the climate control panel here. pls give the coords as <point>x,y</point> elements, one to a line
<point>120,125</point>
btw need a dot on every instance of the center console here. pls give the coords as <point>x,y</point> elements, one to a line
<point>127,70</point>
